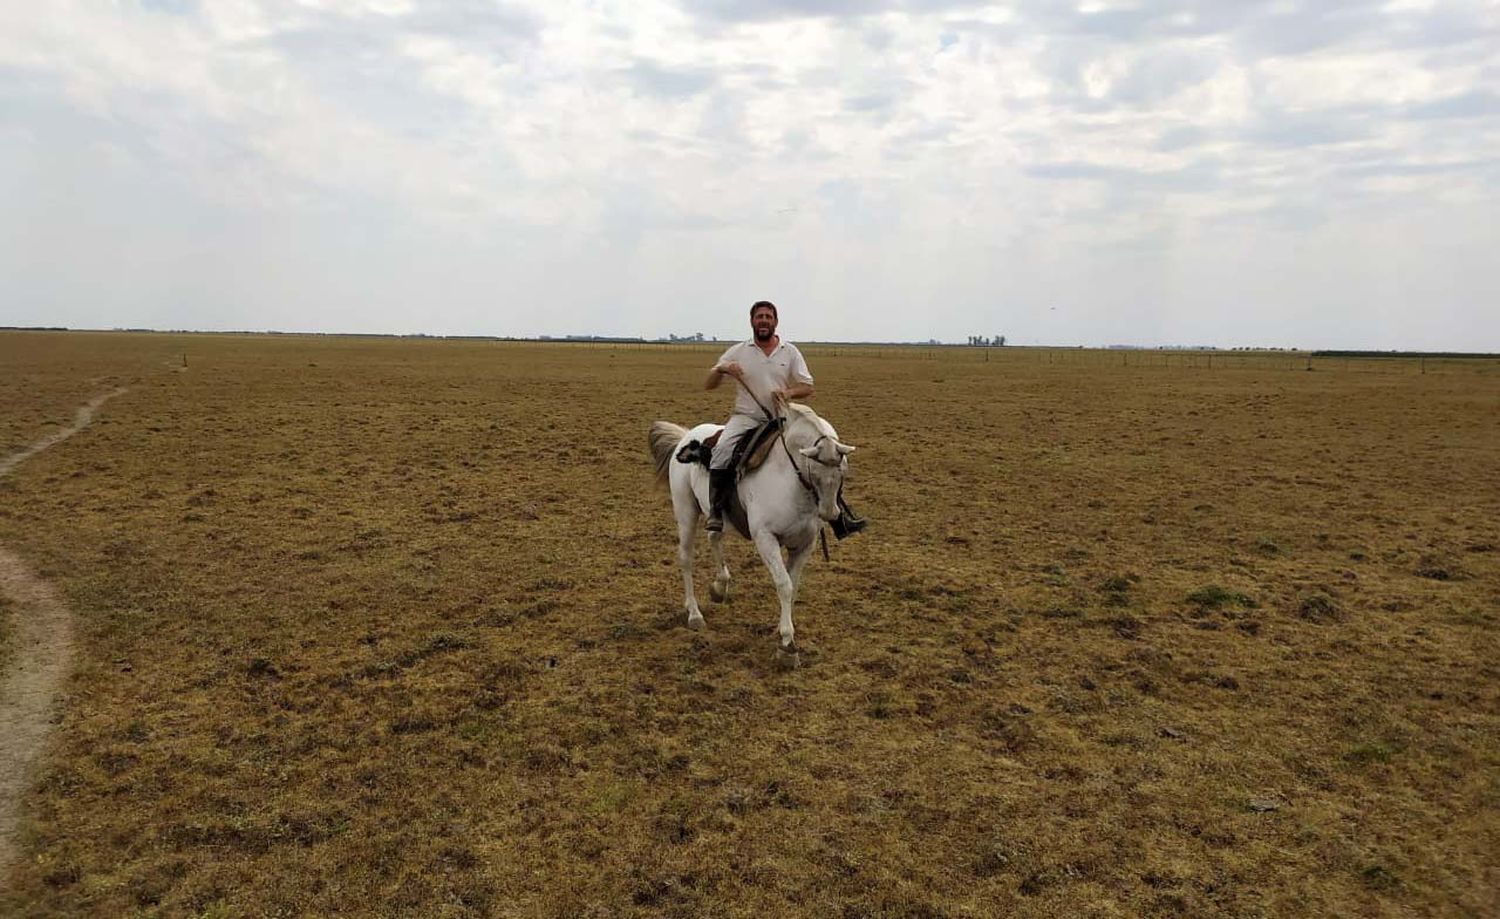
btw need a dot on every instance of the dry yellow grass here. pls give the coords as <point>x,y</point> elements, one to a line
<point>394,627</point>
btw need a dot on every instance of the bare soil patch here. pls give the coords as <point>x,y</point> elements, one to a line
<point>81,419</point>
<point>41,638</point>
<point>36,650</point>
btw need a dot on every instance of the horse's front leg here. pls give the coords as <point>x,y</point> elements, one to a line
<point>687,532</point>
<point>720,589</point>
<point>786,591</point>
<point>796,561</point>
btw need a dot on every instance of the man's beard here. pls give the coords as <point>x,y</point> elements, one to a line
<point>764,332</point>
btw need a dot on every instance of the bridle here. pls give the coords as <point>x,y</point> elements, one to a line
<point>781,436</point>
<point>811,489</point>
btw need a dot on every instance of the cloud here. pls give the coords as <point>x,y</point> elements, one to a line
<point>669,82</point>
<point>1301,132</point>
<point>473,22</point>
<point>1195,176</point>
<point>170,7</point>
<point>1475,104</point>
<point>624,164</point>
<point>762,10</point>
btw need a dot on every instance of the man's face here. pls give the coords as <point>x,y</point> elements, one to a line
<point>763,321</point>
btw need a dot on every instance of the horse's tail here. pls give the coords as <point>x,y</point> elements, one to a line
<point>664,438</point>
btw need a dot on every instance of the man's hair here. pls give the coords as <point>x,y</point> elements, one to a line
<point>764,303</point>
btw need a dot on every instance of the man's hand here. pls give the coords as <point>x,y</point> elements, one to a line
<point>718,372</point>
<point>796,391</point>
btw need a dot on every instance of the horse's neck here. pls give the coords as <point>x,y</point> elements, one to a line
<point>779,462</point>
<point>778,459</point>
<point>801,431</point>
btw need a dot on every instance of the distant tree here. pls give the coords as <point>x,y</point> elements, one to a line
<point>1000,341</point>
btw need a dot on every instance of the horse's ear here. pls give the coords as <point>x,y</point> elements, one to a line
<point>845,449</point>
<point>809,452</point>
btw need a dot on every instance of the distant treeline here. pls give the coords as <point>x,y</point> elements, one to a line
<point>695,340</point>
<point>1405,354</point>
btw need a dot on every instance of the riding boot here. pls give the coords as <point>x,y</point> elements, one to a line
<point>848,523</point>
<point>720,484</point>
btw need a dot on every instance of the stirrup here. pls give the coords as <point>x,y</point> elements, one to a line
<point>846,524</point>
<point>714,524</point>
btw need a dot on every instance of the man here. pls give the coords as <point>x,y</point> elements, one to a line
<point>772,371</point>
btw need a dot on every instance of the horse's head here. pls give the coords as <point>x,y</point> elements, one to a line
<point>828,463</point>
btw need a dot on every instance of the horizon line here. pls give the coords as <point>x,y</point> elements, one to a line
<point>636,340</point>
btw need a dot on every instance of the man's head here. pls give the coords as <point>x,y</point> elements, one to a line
<point>763,319</point>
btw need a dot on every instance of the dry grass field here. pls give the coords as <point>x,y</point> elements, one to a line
<point>381,627</point>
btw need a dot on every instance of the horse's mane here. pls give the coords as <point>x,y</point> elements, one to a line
<point>798,415</point>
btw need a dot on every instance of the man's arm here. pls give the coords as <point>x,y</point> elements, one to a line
<point>719,372</point>
<point>799,383</point>
<point>725,366</point>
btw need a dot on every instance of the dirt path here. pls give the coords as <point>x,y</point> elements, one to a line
<point>80,421</point>
<point>29,688</point>
<point>43,653</point>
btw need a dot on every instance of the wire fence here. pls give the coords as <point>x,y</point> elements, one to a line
<point>1083,358</point>
<point>1062,358</point>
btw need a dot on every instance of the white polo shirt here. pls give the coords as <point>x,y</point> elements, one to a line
<point>765,374</point>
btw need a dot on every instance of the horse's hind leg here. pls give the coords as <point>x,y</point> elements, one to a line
<point>687,532</point>
<point>720,589</point>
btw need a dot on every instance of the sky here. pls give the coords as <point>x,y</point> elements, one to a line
<point>1296,173</point>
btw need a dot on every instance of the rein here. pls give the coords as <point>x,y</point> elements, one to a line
<point>781,436</point>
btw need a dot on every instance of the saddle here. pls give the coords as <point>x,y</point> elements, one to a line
<point>748,455</point>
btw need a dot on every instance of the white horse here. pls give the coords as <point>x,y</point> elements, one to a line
<point>786,501</point>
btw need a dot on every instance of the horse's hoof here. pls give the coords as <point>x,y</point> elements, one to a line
<point>695,623</point>
<point>718,594</point>
<point>787,657</point>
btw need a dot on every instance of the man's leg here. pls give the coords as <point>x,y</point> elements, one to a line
<point>721,472</point>
<point>848,522</point>
<point>720,482</point>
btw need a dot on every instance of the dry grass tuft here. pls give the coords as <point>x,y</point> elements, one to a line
<point>7,631</point>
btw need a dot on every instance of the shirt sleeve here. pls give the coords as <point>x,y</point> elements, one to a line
<point>728,355</point>
<point>798,369</point>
